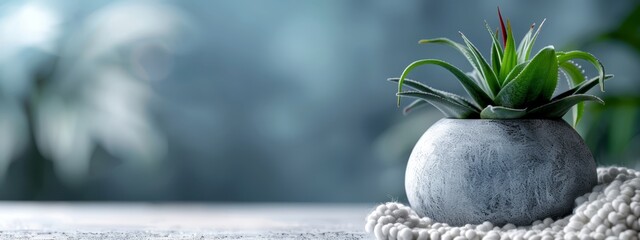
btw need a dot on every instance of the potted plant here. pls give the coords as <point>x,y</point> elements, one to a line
<point>505,155</point>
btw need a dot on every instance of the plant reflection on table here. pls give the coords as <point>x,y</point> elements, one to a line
<point>62,96</point>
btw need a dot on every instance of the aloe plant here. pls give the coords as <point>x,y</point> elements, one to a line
<point>509,85</point>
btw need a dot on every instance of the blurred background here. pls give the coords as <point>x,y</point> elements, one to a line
<point>251,100</point>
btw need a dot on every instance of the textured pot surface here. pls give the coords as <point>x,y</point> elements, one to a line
<point>502,171</point>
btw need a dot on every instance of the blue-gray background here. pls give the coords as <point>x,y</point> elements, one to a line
<point>280,100</point>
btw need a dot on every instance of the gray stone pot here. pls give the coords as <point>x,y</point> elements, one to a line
<point>503,171</point>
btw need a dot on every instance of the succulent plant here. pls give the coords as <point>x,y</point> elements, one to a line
<point>512,85</point>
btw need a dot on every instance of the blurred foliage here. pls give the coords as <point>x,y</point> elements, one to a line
<point>613,132</point>
<point>68,93</point>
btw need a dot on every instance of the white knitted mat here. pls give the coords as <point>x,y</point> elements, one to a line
<point>610,211</point>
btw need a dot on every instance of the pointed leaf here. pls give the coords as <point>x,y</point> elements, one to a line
<point>416,104</point>
<point>535,84</point>
<point>522,47</point>
<point>509,59</point>
<point>494,39</point>
<point>460,48</point>
<point>495,59</point>
<point>457,46</point>
<point>479,96</point>
<point>576,112</point>
<point>504,33</point>
<point>566,56</point>
<point>558,108</point>
<point>588,85</point>
<point>498,112</point>
<point>487,72</point>
<point>496,50</point>
<point>533,40</point>
<point>449,108</point>
<point>424,88</point>
<point>582,88</point>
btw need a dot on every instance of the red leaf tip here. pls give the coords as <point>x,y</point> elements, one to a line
<point>504,30</point>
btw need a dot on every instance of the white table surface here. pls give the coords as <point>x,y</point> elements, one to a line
<point>37,220</point>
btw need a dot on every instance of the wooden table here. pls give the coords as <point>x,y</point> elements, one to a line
<point>37,220</point>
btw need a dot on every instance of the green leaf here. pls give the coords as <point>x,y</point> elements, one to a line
<point>496,50</point>
<point>533,40</point>
<point>509,59</point>
<point>487,72</point>
<point>522,47</point>
<point>515,72</point>
<point>477,78</point>
<point>566,56</point>
<point>495,59</point>
<point>559,107</point>
<point>574,77</point>
<point>535,84</point>
<point>449,108</point>
<point>498,112</point>
<point>479,96</point>
<point>462,49</point>
<point>457,46</point>
<point>573,73</point>
<point>582,88</point>
<point>418,103</point>
<point>494,39</point>
<point>576,113</point>
<point>424,88</point>
<point>588,85</point>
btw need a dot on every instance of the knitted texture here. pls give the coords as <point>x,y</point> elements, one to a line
<point>610,211</point>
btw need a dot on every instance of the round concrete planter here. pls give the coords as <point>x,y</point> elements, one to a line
<point>503,171</point>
